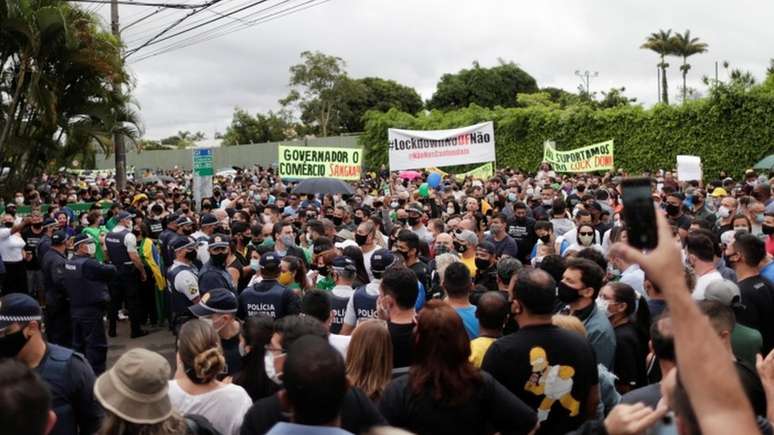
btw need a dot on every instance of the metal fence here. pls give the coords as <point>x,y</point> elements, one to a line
<point>225,156</point>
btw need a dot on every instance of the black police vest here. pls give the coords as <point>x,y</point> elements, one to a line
<point>87,297</point>
<point>211,277</point>
<point>55,370</point>
<point>180,301</point>
<point>339,308</point>
<point>365,304</point>
<point>264,302</point>
<point>117,249</point>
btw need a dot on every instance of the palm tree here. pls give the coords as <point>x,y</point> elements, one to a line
<point>661,43</point>
<point>685,46</point>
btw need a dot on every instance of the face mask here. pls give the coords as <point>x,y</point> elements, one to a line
<point>8,224</point>
<point>536,261</point>
<point>271,371</point>
<point>724,212</point>
<point>37,226</point>
<point>567,294</point>
<point>585,240</point>
<point>336,220</point>
<point>481,263</point>
<point>744,229</point>
<point>512,197</point>
<point>218,259</point>
<point>190,255</point>
<point>12,344</point>
<point>767,229</point>
<point>285,278</point>
<point>759,218</point>
<point>322,270</point>
<point>394,204</point>
<point>495,228</point>
<point>413,221</point>
<point>91,249</point>
<point>403,254</point>
<point>460,247</point>
<point>358,220</point>
<point>255,264</point>
<point>288,240</point>
<point>403,222</point>
<point>672,210</point>
<point>440,248</point>
<point>361,239</point>
<point>602,305</point>
<point>547,202</point>
<point>85,222</point>
<point>545,239</point>
<point>19,200</point>
<point>450,209</point>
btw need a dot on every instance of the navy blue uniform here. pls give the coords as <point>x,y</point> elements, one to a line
<point>181,298</point>
<point>270,298</point>
<point>339,308</point>
<point>71,382</point>
<point>125,287</point>
<point>58,327</point>
<point>44,244</point>
<point>365,304</point>
<point>166,237</point>
<point>212,277</point>
<point>86,282</point>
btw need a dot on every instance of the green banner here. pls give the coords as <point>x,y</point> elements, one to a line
<point>597,157</point>
<point>312,162</point>
<point>76,207</point>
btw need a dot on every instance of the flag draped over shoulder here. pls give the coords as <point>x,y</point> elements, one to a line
<point>151,258</point>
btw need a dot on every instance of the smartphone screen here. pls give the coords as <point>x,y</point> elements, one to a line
<point>639,214</point>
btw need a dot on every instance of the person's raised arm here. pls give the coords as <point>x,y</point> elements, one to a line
<point>721,405</point>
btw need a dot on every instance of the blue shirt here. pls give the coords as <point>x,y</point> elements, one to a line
<point>469,320</point>
<point>768,272</point>
<point>283,428</point>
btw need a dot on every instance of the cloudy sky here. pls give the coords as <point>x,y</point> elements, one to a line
<point>415,41</point>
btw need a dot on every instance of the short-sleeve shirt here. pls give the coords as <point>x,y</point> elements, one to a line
<point>506,246</point>
<point>469,320</point>
<point>224,407</point>
<point>550,369</point>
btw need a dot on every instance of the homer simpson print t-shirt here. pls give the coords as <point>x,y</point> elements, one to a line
<point>552,370</point>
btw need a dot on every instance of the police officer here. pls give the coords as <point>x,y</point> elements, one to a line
<point>86,281</point>
<point>207,224</point>
<point>268,296</point>
<point>218,307</point>
<point>167,235</point>
<point>213,274</point>
<point>52,264</point>
<point>362,304</point>
<point>121,246</point>
<point>44,244</point>
<point>182,281</point>
<point>67,373</point>
<point>343,272</point>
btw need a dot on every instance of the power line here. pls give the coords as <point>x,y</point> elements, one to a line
<point>211,34</point>
<point>133,3</point>
<point>168,28</point>
<point>149,27</point>
<point>143,18</point>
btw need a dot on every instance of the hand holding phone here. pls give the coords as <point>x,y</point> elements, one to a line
<point>639,213</point>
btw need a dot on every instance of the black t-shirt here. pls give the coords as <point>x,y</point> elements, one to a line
<point>358,414</point>
<point>492,407</point>
<point>401,343</point>
<point>523,232</point>
<point>758,312</point>
<point>231,353</point>
<point>550,369</point>
<point>32,239</point>
<point>630,355</point>
<point>422,272</point>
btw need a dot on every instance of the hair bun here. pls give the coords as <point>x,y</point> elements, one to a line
<point>209,364</point>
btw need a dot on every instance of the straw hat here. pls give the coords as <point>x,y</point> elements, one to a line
<point>135,388</point>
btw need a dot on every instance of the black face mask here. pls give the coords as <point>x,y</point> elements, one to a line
<point>482,264</point>
<point>8,224</point>
<point>403,221</point>
<point>672,210</point>
<point>567,294</point>
<point>190,256</point>
<point>403,254</point>
<point>187,231</point>
<point>361,239</point>
<point>37,226</point>
<point>218,259</point>
<point>767,229</point>
<point>257,242</point>
<point>12,344</point>
<point>358,220</point>
<point>460,247</point>
<point>413,221</point>
<point>545,239</point>
<point>322,270</point>
<point>336,220</point>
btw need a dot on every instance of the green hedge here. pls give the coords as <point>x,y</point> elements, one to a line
<point>730,131</point>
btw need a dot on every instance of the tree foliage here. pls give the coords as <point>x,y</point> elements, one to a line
<point>661,43</point>
<point>269,127</point>
<point>60,81</point>
<point>373,93</point>
<point>683,45</point>
<point>730,130</point>
<point>486,87</point>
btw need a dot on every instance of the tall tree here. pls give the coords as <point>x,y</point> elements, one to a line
<point>685,46</point>
<point>486,87</point>
<point>372,93</point>
<point>661,43</point>
<point>313,88</point>
<point>271,127</point>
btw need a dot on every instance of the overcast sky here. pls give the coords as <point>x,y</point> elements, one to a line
<point>415,41</point>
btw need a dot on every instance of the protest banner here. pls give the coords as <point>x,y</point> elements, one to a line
<point>311,162</point>
<point>689,168</point>
<point>76,207</point>
<point>414,149</point>
<point>597,157</point>
<point>483,172</point>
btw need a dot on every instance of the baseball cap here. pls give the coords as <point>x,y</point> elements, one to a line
<point>81,238</point>
<point>59,237</point>
<point>414,207</point>
<point>725,292</point>
<point>719,192</point>
<point>219,241</point>
<point>184,220</point>
<point>343,263</point>
<point>486,246</point>
<point>48,222</point>
<point>466,236</point>
<point>208,219</point>
<point>124,215</point>
<point>216,301</point>
<point>183,243</point>
<point>136,387</point>
<point>18,308</point>
<point>381,260</point>
<point>270,260</point>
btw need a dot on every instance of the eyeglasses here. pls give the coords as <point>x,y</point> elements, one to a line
<point>586,234</point>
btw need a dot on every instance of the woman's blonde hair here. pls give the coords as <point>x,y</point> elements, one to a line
<point>200,351</point>
<point>570,323</point>
<point>115,425</point>
<point>369,357</point>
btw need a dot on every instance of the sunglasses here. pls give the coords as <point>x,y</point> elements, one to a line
<point>586,234</point>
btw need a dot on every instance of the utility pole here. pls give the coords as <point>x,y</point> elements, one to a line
<point>119,147</point>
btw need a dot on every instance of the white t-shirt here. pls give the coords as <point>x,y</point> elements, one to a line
<point>11,246</point>
<point>340,343</point>
<point>703,281</point>
<point>367,262</point>
<point>224,408</point>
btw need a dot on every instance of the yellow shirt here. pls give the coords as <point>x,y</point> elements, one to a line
<point>471,263</point>
<point>478,348</point>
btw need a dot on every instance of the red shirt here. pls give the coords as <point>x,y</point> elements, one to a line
<point>770,245</point>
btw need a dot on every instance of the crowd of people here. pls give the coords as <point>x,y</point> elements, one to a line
<point>511,304</point>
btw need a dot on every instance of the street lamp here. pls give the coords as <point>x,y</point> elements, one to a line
<point>586,77</point>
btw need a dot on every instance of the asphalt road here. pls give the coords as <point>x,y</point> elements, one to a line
<point>159,340</point>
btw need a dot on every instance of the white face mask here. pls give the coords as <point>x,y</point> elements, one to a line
<point>19,200</point>
<point>255,264</point>
<point>271,371</point>
<point>745,229</point>
<point>724,212</point>
<point>602,304</point>
<point>585,240</point>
